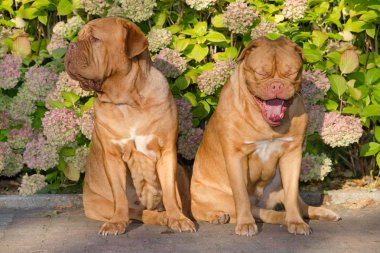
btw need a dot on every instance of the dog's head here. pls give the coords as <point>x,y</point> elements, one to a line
<point>105,47</point>
<point>273,73</point>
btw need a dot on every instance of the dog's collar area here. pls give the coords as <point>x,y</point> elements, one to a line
<point>273,110</point>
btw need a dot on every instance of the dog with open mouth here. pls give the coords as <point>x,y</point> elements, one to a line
<point>250,156</point>
<point>132,170</point>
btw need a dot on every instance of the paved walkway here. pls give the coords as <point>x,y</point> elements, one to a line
<point>67,230</point>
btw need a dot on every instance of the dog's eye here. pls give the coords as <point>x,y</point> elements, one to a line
<point>94,39</point>
<point>262,74</point>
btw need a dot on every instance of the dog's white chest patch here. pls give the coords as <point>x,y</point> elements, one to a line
<point>141,143</point>
<point>265,148</point>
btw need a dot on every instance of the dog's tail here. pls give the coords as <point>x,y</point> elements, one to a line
<point>269,216</point>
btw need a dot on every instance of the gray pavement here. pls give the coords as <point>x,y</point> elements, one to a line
<point>61,229</point>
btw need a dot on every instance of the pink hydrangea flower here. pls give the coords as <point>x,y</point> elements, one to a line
<point>10,162</point>
<point>10,71</point>
<point>316,115</point>
<point>18,138</point>
<point>60,126</point>
<point>4,120</point>
<point>40,81</point>
<point>294,9</point>
<point>184,115</point>
<point>86,123</point>
<point>209,81</point>
<point>170,63</point>
<point>188,143</point>
<point>315,85</point>
<point>31,184</point>
<point>39,154</point>
<point>239,17</point>
<point>339,130</point>
<point>315,168</point>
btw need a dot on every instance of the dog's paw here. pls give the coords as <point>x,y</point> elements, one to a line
<point>248,229</point>
<point>109,228</point>
<point>299,228</point>
<point>182,224</point>
<point>329,215</point>
<point>220,218</point>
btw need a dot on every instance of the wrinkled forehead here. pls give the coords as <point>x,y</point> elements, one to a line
<point>274,55</point>
<point>100,28</point>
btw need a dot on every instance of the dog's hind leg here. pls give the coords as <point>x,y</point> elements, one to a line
<point>149,216</point>
<point>317,213</point>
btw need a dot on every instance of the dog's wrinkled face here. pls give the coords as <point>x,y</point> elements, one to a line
<point>273,72</point>
<point>105,47</point>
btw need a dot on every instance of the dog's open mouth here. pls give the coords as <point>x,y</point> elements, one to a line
<point>273,110</point>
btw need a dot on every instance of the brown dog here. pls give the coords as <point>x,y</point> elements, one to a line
<point>258,126</point>
<point>132,167</point>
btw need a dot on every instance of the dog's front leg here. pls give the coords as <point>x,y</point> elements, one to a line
<point>166,169</point>
<point>116,174</point>
<point>290,168</point>
<point>237,166</point>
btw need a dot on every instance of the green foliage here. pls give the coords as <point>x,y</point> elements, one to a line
<point>338,37</point>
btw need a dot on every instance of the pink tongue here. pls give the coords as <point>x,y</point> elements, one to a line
<point>273,109</point>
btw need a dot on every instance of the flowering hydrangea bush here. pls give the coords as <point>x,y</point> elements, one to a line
<point>195,44</point>
<point>170,63</point>
<point>10,162</point>
<point>189,137</point>
<point>10,71</point>
<point>68,29</point>
<point>263,29</point>
<point>239,17</point>
<point>294,9</point>
<point>32,184</point>
<point>210,81</point>
<point>138,10</point>
<point>40,154</point>
<point>95,7</point>
<point>40,81</point>
<point>200,4</point>
<point>158,39</point>
<point>56,42</point>
<point>314,86</point>
<point>60,126</point>
<point>315,167</point>
<point>339,130</point>
<point>78,161</point>
<point>86,123</point>
<point>18,138</point>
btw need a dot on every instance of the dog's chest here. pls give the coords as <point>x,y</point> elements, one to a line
<point>265,149</point>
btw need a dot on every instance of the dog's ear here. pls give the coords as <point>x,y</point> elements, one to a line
<point>135,40</point>
<point>253,44</point>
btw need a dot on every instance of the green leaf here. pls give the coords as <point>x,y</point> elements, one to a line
<point>56,104</point>
<point>70,97</point>
<point>173,29</point>
<point>319,38</point>
<point>43,18</point>
<point>313,55</point>
<point>338,84</point>
<point>206,106</point>
<point>372,76</point>
<point>67,151</point>
<point>181,83</point>
<point>88,105</point>
<point>27,13</point>
<point>59,53</point>
<point>335,57</point>
<point>369,15</point>
<point>354,26</point>
<point>370,149</point>
<point>200,111</point>
<point>370,111</point>
<point>198,53</point>
<point>349,61</point>
<point>217,21</point>
<point>331,105</point>
<point>378,159</point>
<point>231,53</point>
<point>215,37</point>
<point>191,98</point>
<point>181,44</point>
<point>377,133</point>
<point>351,110</point>
<point>200,28</point>
<point>64,7</point>
<point>355,93</point>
